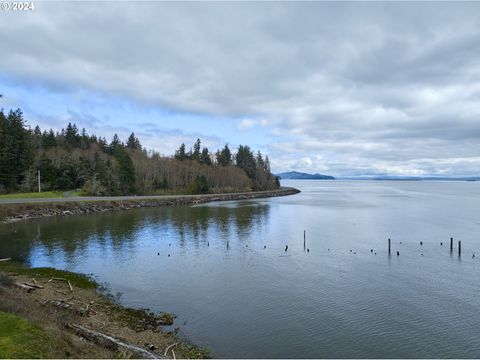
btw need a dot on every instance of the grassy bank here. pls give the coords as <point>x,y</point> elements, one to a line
<point>42,195</point>
<point>41,321</point>
<point>20,338</point>
<point>78,280</point>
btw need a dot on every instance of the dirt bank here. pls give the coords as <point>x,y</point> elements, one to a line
<point>22,211</point>
<point>76,321</point>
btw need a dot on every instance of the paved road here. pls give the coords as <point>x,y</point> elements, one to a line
<point>90,198</point>
<point>113,198</point>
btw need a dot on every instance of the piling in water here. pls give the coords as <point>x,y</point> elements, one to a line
<point>389,245</point>
<point>451,244</point>
<point>459,247</point>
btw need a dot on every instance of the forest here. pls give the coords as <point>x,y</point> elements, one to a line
<point>72,159</point>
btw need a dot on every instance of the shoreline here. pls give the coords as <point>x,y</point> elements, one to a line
<point>25,209</point>
<point>69,316</point>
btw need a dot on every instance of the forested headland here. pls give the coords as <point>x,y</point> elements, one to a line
<point>72,159</point>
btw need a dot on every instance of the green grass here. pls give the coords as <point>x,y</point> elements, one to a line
<point>42,195</point>
<point>77,280</point>
<point>20,338</point>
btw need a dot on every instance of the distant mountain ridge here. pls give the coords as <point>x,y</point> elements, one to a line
<point>412,178</point>
<point>295,175</point>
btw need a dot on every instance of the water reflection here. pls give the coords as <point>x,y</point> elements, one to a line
<point>118,232</point>
<point>262,302</point>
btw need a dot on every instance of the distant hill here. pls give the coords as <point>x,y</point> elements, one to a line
<point>411,178</point>
<point>295,175</point>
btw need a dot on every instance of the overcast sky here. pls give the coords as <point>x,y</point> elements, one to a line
<point>337,88</point>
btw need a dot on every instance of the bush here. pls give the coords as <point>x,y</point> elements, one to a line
<point>277,181</point>
<point>199,185</point>
<point>94,187</point>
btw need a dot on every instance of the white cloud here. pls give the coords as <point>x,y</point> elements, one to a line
<point>369,87</point>
<point>246,124</point>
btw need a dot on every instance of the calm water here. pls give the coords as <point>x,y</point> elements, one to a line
<point>247,301</point>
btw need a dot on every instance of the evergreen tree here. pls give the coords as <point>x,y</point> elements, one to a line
<point>71,135</point>
<point>196,151</point>
<point>37,138</point>
<point>126,174</point>
<point>4,140</point>
<point>224,157</point>
<point>199,185</point>
<point>16,152</point>
<point>266,166</point>
<point>205,157</point>
<point>246,161</point>
<point>48,139</point>
<point>133,142</point>
<point>114,145</point>
<point>84,140</point>
<point>180,153</point>
<point>259,159</point>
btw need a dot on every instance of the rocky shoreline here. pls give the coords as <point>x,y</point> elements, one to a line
<point>25,211</point>
<point>72,318</point>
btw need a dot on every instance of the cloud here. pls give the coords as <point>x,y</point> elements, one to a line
<point>367,87</point>
<point>246,124</point>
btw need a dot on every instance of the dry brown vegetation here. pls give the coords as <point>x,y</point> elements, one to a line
<point>180,174</point>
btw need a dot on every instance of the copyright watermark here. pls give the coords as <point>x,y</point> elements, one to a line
<point>17,6</point>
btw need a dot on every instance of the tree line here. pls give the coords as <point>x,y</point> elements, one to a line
<point>73,159</point>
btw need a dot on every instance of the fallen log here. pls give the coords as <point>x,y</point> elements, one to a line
<point>33,285</point>
<point>112,343</point>
<point>6,259</point>
<point>24,287</point>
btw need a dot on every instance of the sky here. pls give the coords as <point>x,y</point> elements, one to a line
<point>339,88</point>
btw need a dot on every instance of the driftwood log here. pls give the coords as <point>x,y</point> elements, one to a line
<point>33,285</point>
<point>112,343</point>
<point>6,259</point>
<point>24,287</point>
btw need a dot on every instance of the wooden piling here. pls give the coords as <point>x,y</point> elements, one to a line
<point>459,247</point>
<point>451,244</point>
<point>389,245</point>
